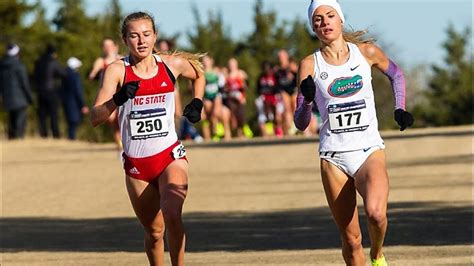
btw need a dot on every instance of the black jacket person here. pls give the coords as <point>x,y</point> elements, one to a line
<point>15,91</point>
<point>48,76</point>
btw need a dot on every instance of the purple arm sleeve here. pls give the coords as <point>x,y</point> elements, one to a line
<point>395,75</point>
<point>302,113</point>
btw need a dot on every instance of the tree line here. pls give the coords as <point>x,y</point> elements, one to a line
<point>441,96</point>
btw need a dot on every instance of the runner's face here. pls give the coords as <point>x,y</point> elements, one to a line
<point>283,58</point>
<point>140,37</point>
<point>233,65</point>
<point>207,62</point>
<point>109,47</point>
<point>163,46</point>
<point>327,24</point>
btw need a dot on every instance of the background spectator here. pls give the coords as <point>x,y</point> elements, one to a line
<point>15,91</point>
<point>48,76</point>
<point>72,96</point>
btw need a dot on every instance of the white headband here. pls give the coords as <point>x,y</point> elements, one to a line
<point>14,50</point>
<point>317,3</point>
<point>74,63</point>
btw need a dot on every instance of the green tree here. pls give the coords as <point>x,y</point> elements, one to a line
<point>12,13</point>
<point>260,41</point>
<point>70,16</point>
<point>450,93</point>
<point>111,20</point>
<point>212,37</point>
<point>300,42</point>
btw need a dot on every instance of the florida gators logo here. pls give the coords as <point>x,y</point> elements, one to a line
<point>346,86</point>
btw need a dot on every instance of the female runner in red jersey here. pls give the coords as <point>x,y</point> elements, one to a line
<point>141,88</point>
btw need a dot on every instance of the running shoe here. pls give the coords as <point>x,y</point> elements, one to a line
<point>247,131</point>
<point>220,131</point>
<point>269,128</point>
<point>379,262</point>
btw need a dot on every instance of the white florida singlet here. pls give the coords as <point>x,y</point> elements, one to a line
<point>147,121</point>
<point>345,100</point>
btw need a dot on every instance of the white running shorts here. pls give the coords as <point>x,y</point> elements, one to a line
<point>350,161</point>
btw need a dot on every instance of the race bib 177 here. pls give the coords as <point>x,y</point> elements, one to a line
<point>348,117</point>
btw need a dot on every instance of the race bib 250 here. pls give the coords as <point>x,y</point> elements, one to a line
<point>150,123</point>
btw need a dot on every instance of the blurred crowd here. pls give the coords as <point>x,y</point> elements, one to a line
<point>55,86</point>
<point>225,99</point>
<point>224,116</point>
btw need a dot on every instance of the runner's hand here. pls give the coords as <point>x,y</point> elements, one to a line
<point>127,91</point>
<point>192,111</point>
<point>403,118</point>
<point>308,89</point>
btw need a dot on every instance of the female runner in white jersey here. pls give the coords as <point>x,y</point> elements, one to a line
<point>141,87</point>
<point>338,78</point>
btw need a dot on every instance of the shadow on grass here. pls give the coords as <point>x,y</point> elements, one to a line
<point>410,223</point>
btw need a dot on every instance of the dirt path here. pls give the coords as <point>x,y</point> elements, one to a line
<point>249,203</point>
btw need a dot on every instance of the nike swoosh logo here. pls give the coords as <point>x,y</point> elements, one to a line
<point>365,150</point>
<point>354,68</point>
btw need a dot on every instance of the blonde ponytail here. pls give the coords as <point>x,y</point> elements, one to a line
<point>193,59</point>
<point>357,37</point>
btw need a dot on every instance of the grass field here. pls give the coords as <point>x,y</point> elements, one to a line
<point>254,202</point>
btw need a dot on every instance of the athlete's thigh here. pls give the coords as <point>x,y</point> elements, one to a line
<point>293,102</point>
<point>173,184</point>
<point>341,197</point>
<point>371,180</point>
<point>286,100</point>
<point>225,113</point>
<point>207,107</point>
<point>217,106</point>
<point>145,199</point>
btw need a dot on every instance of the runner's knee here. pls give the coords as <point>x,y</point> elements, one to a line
<point>155,232</point>
<point>376,215</point>
<point>352,242</point>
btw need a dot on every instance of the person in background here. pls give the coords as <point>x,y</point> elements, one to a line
<point>15,91</point>
<point>48,74</point>
<point>72,95</point>
<point>213,107</point>
<point>286,82</point>
<point>235,98</point>
<point>110,53</point>
<point>269,103</point>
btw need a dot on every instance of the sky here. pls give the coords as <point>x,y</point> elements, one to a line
<point>412,32</point>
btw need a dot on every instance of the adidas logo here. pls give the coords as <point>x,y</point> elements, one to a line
<point>134,171</point>
<point>164,84</point>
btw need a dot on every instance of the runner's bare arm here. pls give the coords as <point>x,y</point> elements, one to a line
<point>104,105</point>
<point>98,65</point>
<point>305,68</point>
<point>182,67</point>
<point>374,56</point>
